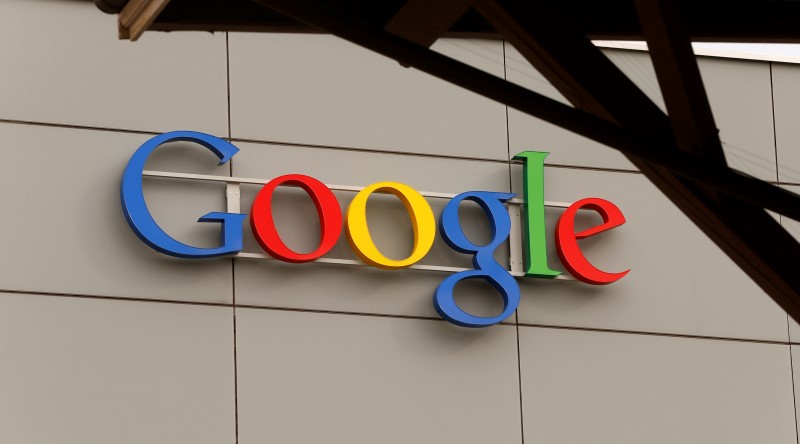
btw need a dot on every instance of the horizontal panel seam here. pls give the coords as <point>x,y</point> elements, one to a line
<point>661,334</point>
<point>315,146</point>
<point>379,315</point>
<point>341,148</point>
<point>78,127</point>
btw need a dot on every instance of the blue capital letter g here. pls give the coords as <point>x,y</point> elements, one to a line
<point>142,223</point>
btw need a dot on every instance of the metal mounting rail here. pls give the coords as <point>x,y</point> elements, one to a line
<point>233,196</point>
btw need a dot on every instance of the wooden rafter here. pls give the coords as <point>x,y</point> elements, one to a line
<point>424,21</point>
<point>542,36</point>
<point>679,78</point>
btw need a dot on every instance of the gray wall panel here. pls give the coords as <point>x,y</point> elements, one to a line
<point>740,96</point>
<point>69,234</point>
<point>89,371</point>
<point>793,227</point>
<point>62,63</point>
<point>623,388</point>
<point>291,88</point>
<point>319,378</point>
<point>786,80</point>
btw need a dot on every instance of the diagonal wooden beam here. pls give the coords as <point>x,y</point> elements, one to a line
<point>424,21</point>
<point>586,78</point>
<point>681,84</point>
<point>759,246</point>
<point>529,27</point>
<point>679,78</point>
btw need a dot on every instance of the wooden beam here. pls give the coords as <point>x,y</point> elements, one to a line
<point>424,21</point>
<point>558,75</point>
<point>137,16</point>
<point>581,72</point>
<point>679,78</point>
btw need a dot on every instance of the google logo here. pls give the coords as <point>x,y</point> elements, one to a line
<point>354,223</point>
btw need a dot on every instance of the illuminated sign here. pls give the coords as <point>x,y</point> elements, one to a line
<point>357,232</point>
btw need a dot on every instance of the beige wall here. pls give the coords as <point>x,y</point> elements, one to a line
<point>103,340</point>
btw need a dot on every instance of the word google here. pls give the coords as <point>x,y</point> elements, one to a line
<point>358,235</point>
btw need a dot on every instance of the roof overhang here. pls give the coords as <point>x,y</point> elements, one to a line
<point>760,21</point>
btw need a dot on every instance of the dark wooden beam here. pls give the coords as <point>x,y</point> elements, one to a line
<point>424,21</point>
<point>536,30</point>
<point>679,78</point>
<point>759,246</point>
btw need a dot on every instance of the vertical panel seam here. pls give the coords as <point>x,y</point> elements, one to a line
<point>233,261</point>
<point>519,379</point>
<point>774,130</point>
<point>791,372</point>
<point>235,356</point>
<point>516,313</point>
<point>508,131</point>
<point>228,83</point>
<point>780,220</point>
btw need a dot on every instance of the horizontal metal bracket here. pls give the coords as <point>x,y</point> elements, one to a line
<point>233,205</point>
